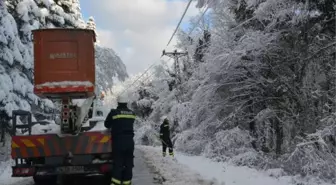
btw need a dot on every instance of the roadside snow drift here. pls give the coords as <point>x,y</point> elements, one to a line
<point>6,179</point>
<point>201,170</point>
<point>170,172</point>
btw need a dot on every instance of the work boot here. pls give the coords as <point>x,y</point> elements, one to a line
<point>171,154</point>
<point>164,154</point>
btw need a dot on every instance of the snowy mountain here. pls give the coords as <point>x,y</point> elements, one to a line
<point>109,66</point>
<point>18,18</point>
<point>258,88</point>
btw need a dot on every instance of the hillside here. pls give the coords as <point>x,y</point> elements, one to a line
<point>109,67</point>
<point>258,88</point>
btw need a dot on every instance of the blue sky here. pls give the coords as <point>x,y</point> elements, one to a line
<point>138,30</point>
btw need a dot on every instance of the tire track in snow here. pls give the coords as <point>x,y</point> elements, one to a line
<point>169,172</point>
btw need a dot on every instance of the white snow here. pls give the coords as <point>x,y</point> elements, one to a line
<point>6,179</point>
<point>173,172</point>
<point>65,83</point>
<point>99,127</point>
<point>78,102</point>
<point>48,103</point>
<point>201,170</point>
<point>51,128</point>
<point>97,118</point>
<point>145,102</point>
<point>231,175</point>
<point>48,2</point>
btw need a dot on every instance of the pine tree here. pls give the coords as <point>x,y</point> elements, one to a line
<point>72,8</point>
<point>90,24</point>
<point>16,88</point>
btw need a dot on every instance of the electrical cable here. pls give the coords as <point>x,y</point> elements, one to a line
<point>132,85</point>
<point>198,21</point>
<point>178,25</point>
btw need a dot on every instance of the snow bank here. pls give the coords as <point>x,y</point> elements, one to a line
<point>170,171</point>
<point>6,179</point>
<point>228,174</point>
<point>65,83</point>
<point>191,169</point>
<point>242,175</point>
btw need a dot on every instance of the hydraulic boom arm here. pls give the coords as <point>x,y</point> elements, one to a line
<point>73,115</point>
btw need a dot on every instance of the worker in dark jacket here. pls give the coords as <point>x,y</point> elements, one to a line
<point>165,137</point>
<point>121,121</point>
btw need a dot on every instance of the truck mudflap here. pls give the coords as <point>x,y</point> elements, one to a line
<point>33,146</point>
<point>89,169</point>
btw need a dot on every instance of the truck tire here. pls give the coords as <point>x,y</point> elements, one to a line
<point>45,180</point>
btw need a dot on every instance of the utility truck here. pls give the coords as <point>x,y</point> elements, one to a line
<point>64,71</point>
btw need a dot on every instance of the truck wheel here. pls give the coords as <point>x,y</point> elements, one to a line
<point>45,180</point>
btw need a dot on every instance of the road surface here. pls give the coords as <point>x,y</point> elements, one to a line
<point>141,175</point>
<point>150,168</point>
<point>141,172</point>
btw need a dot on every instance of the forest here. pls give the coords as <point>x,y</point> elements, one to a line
<point>257,87</point>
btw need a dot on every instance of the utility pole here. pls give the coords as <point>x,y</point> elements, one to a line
<point>175,55</point>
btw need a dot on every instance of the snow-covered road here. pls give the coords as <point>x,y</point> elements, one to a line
<point>150,168</point>
<point>141,174</point>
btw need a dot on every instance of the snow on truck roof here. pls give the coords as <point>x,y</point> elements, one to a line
<point>65,83</point>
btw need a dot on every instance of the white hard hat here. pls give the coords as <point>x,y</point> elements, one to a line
<point>122,98</point>
<point>164,117</point>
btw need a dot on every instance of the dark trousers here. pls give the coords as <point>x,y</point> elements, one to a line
<point>166,142</point>
<point>122,152</point>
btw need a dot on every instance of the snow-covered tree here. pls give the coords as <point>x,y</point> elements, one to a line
<point>90,24</point>
<point>16,88</point>
<point>109,68</point>
<point>75,11</point>
<point>71,12</point>
<point>270,75</point>
<point>264,93</point>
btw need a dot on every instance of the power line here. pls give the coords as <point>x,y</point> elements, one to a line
<point>144,80</point>
<point>178,25</point>
<point>176,56</point>
<point>198,21</point>
<point>131,86</point>
<point>138,78</point>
